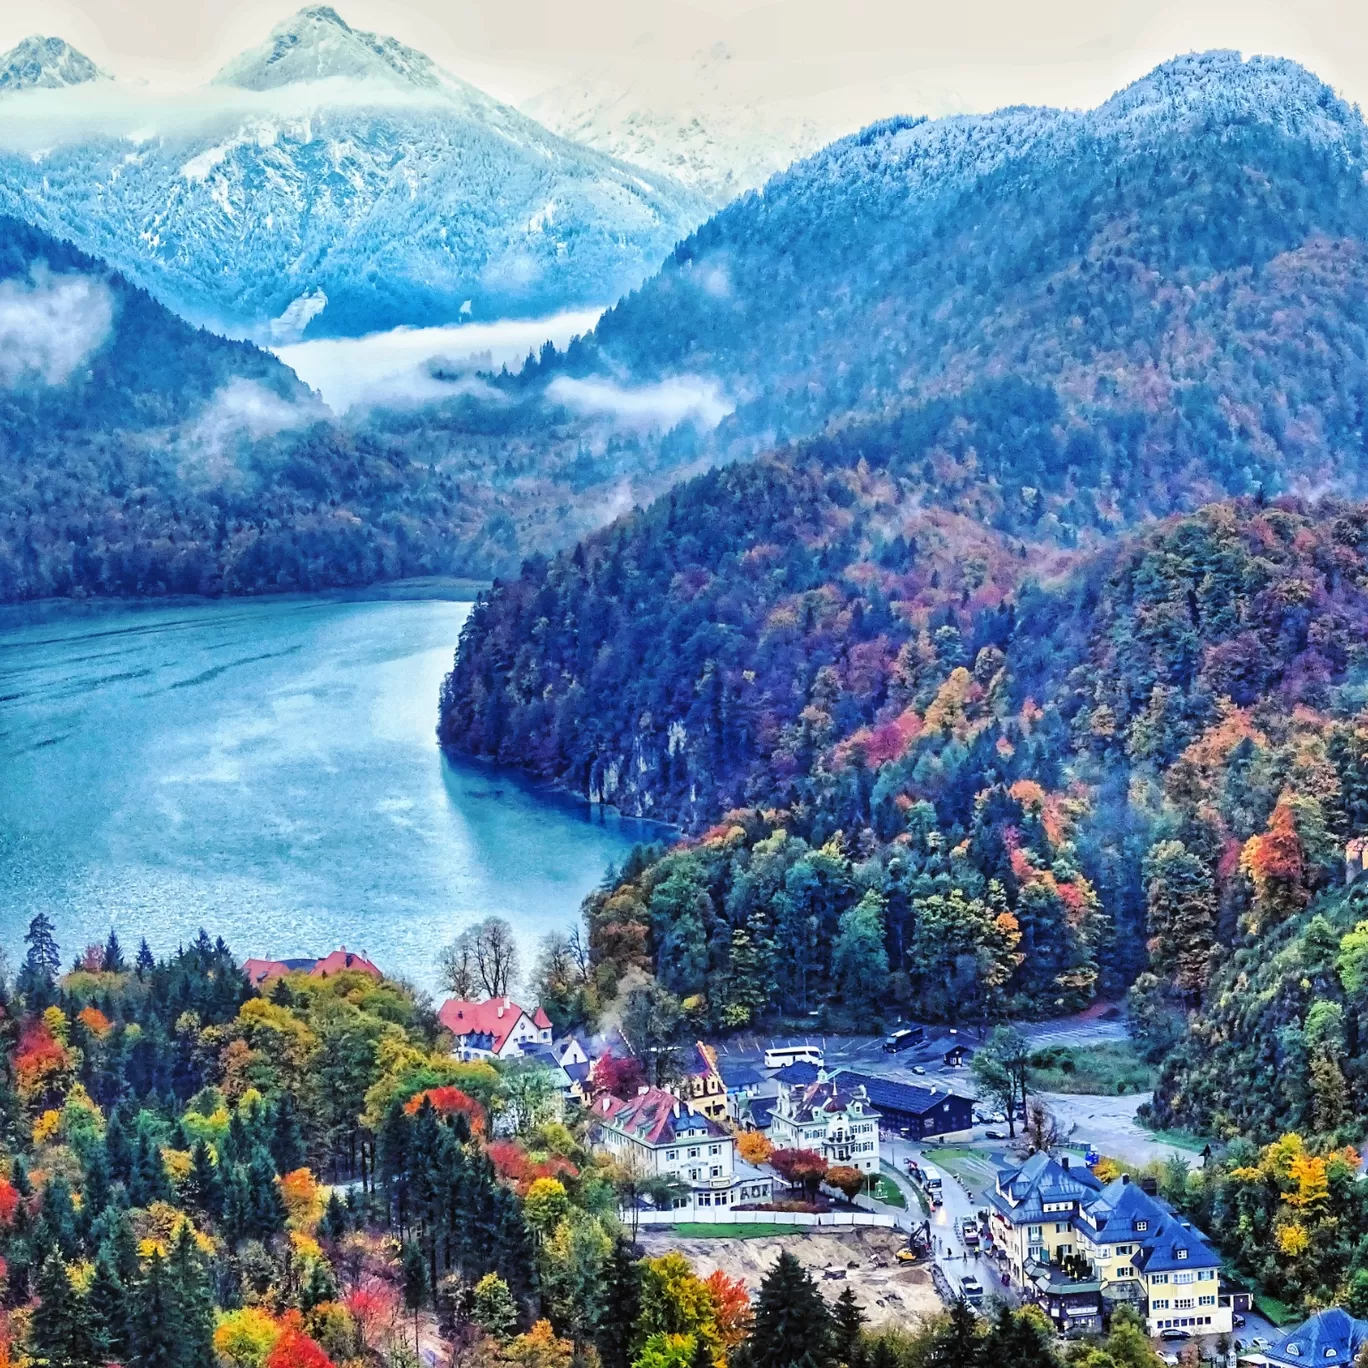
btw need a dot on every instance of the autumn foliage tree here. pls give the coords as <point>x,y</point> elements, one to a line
<point>802,1168</point>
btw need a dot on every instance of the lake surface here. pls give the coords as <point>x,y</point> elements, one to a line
<point>267,770</point>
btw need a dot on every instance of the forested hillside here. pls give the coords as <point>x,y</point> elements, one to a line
<point>140,455</point>
<point>1174,282</point>
<point>929,766</point>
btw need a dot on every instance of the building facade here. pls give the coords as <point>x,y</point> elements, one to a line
<point>657,1135</point>
<point>496,1028</point>
<point>1054,1223</point>
<point>832,1116</point>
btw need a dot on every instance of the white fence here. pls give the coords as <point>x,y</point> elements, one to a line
<point>722,1216</point>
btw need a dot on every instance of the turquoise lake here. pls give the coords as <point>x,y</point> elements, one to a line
<point>267,770</point>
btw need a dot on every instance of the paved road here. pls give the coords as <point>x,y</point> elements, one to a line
<point>951,1254</point>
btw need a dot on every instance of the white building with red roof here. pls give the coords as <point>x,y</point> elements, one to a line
<point>497,1028</point>
<point>658,1135</point>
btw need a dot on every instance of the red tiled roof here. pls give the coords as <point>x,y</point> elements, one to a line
<point>654,1117</point>
<point>342,960</point>
<point>540,1020</point>
<point>494,1017</point>
<point>259,971</point>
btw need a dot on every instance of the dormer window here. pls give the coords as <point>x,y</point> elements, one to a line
<point>1180,1253</point>
<point>1294,1351</point>
<point>1142,1225</point>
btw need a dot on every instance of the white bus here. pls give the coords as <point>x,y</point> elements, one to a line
<point>781,1056</point>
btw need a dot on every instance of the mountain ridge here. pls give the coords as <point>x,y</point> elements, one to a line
<point>386,193</point>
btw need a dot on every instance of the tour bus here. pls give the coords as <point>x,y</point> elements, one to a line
<point>903,1039</point>
<point>931,1185</point>
<point>781,1056</point>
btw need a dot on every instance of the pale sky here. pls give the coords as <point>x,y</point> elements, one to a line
<point>968,55</point>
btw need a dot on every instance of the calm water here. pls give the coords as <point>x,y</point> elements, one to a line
<point>267,770</point>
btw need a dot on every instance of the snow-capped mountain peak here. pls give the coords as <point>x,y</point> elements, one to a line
<point>39,63</point>
<point>317,44</point>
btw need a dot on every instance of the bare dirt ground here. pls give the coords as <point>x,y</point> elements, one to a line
<point>888,1293</point>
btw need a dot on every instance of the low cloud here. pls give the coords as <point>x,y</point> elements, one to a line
<point>409,367</point>
<point>242,410</point>
<point>663,405</point>
<point>49,325</point>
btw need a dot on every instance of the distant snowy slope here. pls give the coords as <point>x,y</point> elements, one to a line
<point>696,122</point>
<point>332,183</point>
<point>46,64</point>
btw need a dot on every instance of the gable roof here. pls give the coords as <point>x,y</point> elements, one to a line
<point>494,1017</point>
<point>915,1098</point>
<point>654,1117</point>
<point>1330,1339</point>
<point>831,1097</point>
<point>540,1020</point>
<point>342,960</point>
<point>1022,1193</point>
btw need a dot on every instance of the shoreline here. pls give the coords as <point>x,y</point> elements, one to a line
<point>419,589</point>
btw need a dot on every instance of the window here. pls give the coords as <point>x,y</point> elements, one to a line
<point>715,1171</point>
<point>1142,1225</point>
<point>1180,1253</point>
<point>1206,1301</point>
<point>1061,1227</point>
<point>1035,1232</point>
<point>714,1149</point>
<point>705,1199</point>
<point>693,1153</point>
<point>1184,1303</point>
<point>672,1154</point>
<point>1159,1278</point>
<point>1184,1277</point>
<point>1122,1249</point>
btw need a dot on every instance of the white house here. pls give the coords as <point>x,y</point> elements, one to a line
<point>658,1135</point>
<point>829,1116</point>
<point>496,1028</point>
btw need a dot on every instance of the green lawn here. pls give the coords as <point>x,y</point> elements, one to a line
<point>731,1230</point>
<point>1112,1068</point>
<point>1179,1139</point>
<point>888,1190</point>
<point>971,1167</point>
<point>1276,1311</point>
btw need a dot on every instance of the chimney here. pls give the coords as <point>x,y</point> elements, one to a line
<point>1064,1162</point>
<point>1125,1178</point>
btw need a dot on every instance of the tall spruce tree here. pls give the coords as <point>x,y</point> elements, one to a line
<point>107,1299</point>
<point>155,1334</point>
<point>60,1335</point>
<point>847,1330</point>
<point>792,1322</point>
<point>621,1307</point>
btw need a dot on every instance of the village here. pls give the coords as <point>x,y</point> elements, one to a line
<point>874,1161</point>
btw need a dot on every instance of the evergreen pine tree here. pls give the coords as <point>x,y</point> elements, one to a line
<point>60,1335</point>
<point>145,963</point>
<point>108,1303</point>
<point>118,1146</point>
<point>957,1343</point>
<point>113,954</point>
<point>621,1307</point>
<point>43,962</point>
<point>155,1334</point>
<point>335,1220</point>
<point>194,1304</point>
<point>702,1354</point>
<point>204,1187</point>
<point>266,1212</point>
<point>59,1216</point>
<point>287,1141</point>
<point>847,1324</point>
<point>415,1284</point>
<point>792,1322</point>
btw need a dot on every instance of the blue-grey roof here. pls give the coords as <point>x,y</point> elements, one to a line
<point>890,1095</point>
<point>1022,1192</point>
<point>739,1073</point>
<point>1330,1339</point>
<point>799,1074</point>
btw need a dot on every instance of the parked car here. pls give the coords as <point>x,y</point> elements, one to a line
<point>1238,1321</point>
<point>1175,1333</point>
<point>994,1135</point>
<point>1000,1117</point>
<point>917,1069</point>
